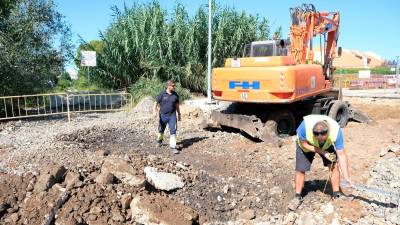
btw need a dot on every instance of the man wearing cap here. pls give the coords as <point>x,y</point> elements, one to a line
<point>167,106</point>
<point>322,135</point>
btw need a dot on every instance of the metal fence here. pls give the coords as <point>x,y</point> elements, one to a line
<point>26,106</point>
<point>375,82</point>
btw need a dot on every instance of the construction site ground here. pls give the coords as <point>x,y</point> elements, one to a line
<point>71,172</point>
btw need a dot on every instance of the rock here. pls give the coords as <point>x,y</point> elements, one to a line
<point>307,219</point>
<point>122,170</point>
<point>71,179</point>
<point>3,207</point>
<point>247,215</point>
<point>103,152</point>
<point>13,218</point>
<point>335,221</point>
<point>226,189</point>
<point>51,175</point>
<point>394,218</point>
<point>276,191</point>
<point>117,217</point>
<point>328,209</point>
<point>378,221</point>
<point>105,178</point>
<point>44,183</point>
<point>383,152</point>
<point>96,210</point>
<point>392,148</point>
<point>148,209</point>
<point>163,181</point>
<point>181,166</point>
<point>196,112</point>
<point>58,172</point>
<point>126,201</point>
<point>92,217</point>
<point>66,221</point>
<point>152,158</point>
<point>30,187</point>
<point>290,218</point>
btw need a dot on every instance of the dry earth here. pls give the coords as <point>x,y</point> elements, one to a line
<point>92,172</point>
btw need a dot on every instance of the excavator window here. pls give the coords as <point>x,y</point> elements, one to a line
<point>282,49</point>
<point>261,50</point>
<point>247,50</point>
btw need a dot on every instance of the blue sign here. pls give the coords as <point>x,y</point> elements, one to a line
<point>244,85</point>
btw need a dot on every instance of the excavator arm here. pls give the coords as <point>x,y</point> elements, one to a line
<point>308,23</point>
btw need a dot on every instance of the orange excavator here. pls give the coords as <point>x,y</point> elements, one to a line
<point>277,82</point>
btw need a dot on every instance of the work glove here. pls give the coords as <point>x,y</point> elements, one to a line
<point>330,156</point>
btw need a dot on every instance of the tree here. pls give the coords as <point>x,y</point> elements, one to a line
<point>278,33</point>
<point>30,61</point>
<point>147,42</point>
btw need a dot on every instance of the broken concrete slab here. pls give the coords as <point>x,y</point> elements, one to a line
<point>71,179</point>
<point>50,176</point>
<point>162,180</point>
<point>123,171</point>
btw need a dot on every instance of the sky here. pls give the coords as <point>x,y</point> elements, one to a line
<point>372,26</point>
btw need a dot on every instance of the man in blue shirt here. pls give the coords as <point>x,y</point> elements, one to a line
<point>167,106</point>
<point>322,135</point>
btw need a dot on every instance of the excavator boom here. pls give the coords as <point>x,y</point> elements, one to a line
<point>308,23</point>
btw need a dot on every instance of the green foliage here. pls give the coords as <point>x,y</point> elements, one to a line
<point>383,70</point>
<point>83,84</point>
<point>278,33</point>
<point>6,6</point>
<point>152,87</point>
<point>146,42</point>
<point>29,60</point>
<point>63,83</point>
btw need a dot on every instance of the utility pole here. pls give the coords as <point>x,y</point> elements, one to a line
<point>397,75</point>
<point>209,54</point>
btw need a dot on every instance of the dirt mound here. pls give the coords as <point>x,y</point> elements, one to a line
<point>161,210</point>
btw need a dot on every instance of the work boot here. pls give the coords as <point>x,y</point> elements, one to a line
<point>172,141</point>
<point>160,139</point>
<point>295,203</point>
<point>174,151</point>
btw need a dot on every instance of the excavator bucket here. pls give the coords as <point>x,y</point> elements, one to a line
<point>359,116</point>
<point>251,125</point>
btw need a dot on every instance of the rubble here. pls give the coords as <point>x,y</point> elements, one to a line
<point>153,210</point>
<point>163,181</point>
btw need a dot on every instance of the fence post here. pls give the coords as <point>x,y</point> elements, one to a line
<point>68,112</point>
<point>131,103</point>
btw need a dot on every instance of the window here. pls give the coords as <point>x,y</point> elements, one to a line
<point>263,50</point>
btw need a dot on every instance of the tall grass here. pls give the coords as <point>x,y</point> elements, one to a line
<point>153,87</point>
<point>146,41</point>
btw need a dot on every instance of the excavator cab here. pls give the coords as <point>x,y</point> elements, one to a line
<point>267,48</point>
